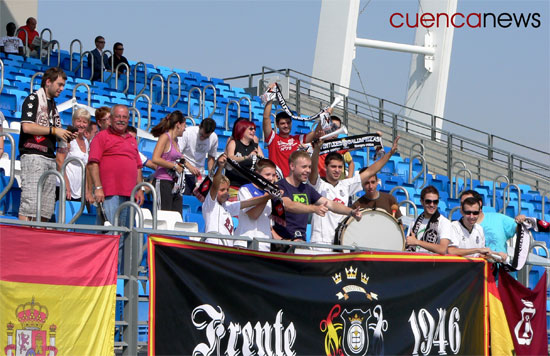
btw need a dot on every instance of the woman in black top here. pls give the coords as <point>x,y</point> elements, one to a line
<point>244,150</point>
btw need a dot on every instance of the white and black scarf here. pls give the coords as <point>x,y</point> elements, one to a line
<point>430,235</point>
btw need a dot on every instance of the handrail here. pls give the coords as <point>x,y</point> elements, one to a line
<point>506,197</point>
<point>155,208</point>
<point>424,170</point>
<point>495,181</point>
<point>1,75</point>
<point>420,151</point>
<point>134,111</point>
<point>451,175</point>
<point>81,64</point>
<point>26,42</point>
<point>71,52</point>
<point>82,187</point>
<point>189,97</point>
<point>62,197</point>
<point>538,244</point>
<point>89,90</point>
<point>545,195</point>
<point>127,77</point>
<point>32,80</point>
<point>246,98</point>
<point>161,88</point>
<point>227,112</point>
<point>204,101</point>
<point>192,120</point>
<point>12,164</point>
<point>41,37</point>
<point>464,187</point>
<point>168,82</point>
<point>112,65</point>
<point>146,97</point>
<point>400,187</point>
<point>535,168</point>
<point>410,203</point>
<point>127,205</point>
<point>50,48</point>
<point>135,77</point>
<point>450,216</point>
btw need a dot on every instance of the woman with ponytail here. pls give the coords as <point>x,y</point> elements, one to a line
<point>166,156</point>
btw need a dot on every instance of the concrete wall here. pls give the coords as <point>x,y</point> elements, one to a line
<point>17,11</point>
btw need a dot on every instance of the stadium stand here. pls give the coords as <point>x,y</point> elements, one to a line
<point>153,99</point>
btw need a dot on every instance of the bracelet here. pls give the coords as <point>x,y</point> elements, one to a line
<point>50,130</point>
<point>97,188</point>
<point>53,129</point>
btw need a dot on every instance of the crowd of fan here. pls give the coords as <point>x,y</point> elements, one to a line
<point>310,183</point>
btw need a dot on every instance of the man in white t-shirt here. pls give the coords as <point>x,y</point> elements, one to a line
<point>217,211</point>
<point>431,232</point>
<point>255,222</point>
<point>468,238</point>
<point>196,143</point>
<point>11,43</point>
<point>334,189</point>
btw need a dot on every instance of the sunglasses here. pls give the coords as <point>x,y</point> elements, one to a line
<point>119,49</point>
<point>429,201</point>
<point>252,128</point>
<point>467,212</point>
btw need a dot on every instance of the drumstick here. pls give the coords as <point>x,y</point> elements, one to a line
<point>394,208</point>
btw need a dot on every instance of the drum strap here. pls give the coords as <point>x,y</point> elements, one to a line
<point>431,230</point>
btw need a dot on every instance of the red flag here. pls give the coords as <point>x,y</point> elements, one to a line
<point>525,313</point>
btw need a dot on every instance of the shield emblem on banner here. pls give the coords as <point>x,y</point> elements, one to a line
<point>355,340</point>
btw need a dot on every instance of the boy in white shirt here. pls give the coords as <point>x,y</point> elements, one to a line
<point>255,222</point>
<point>217,211</point>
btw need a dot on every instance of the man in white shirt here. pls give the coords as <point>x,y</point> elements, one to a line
<point>196,143</point>
<point>11,43</point>
<point>431,232</point>
<point>468,238</point>
<point>334,189</point>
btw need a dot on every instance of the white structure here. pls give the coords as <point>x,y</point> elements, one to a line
<point>430,62</point>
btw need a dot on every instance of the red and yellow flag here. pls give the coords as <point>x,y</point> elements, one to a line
<point>501,340</point>
<point>57,292</point>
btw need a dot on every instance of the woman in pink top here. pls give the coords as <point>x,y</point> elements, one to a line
<point>166,156</point>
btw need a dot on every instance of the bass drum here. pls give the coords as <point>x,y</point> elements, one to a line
<point>376,230</point>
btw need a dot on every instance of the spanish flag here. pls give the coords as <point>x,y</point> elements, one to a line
<point>501,339</point>
<point>57,292</point>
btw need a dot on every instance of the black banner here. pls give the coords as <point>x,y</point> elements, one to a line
<point>351,143</point>
<point>214,300</point>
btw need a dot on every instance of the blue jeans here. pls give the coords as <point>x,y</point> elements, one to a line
<point>110,205</point>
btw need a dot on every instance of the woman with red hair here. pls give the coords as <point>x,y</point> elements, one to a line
<point>244,150</point>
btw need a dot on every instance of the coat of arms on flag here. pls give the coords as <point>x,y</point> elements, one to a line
<point>31,339</point>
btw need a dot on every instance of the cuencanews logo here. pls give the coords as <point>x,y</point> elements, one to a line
<point>348,331</point>
<point>31,340</point>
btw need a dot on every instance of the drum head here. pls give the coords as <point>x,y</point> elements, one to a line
<point>377,229</point>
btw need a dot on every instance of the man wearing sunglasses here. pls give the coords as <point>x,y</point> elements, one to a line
<point>431,231</point>
<point>498,228</point>
<point>468,238</point>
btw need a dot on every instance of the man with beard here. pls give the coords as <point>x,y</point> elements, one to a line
<point>40,131</point>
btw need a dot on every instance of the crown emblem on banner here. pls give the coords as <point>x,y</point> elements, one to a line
<point>337,278</point>
<point>364,278</point>
<point>356,318</point>
<point>351,273</point>
<point>31,315</point>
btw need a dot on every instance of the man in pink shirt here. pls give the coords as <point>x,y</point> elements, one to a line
<point>115,166</point>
